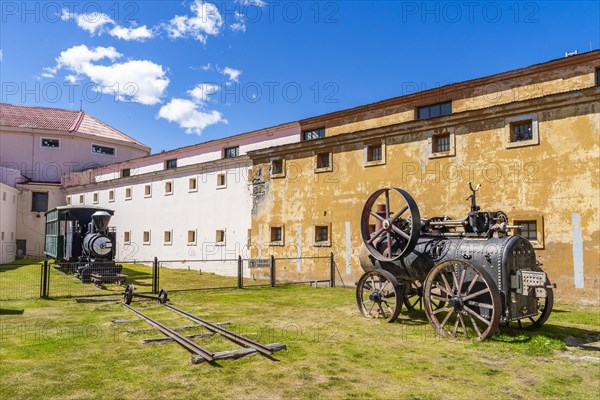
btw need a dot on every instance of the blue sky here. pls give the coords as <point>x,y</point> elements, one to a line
<point>173,73</point>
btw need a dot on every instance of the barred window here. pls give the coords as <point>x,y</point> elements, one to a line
<point>520,131</point>
<point>231,152</point>
<point>313,134</point>
<point>528,229</point>
<point>441,143</point>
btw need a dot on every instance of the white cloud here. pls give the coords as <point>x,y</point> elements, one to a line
<point>99,23</point>
<point>206,21</point>
<point>91,22</point>
<point>1,55</point>
<point>72,79</point>
<point>240,22</point>
<point>232,73</point>
<point>257,3</point>
<point>138,34</point>
<point>189,116</point>
<point>140,81</point>
<point>201,93</point>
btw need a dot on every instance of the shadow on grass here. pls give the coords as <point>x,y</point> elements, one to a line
<point>4,311</point>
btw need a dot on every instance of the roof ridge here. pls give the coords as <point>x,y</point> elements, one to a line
<point>77,122</point>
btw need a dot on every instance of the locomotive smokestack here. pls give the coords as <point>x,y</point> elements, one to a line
<point>101,220</point>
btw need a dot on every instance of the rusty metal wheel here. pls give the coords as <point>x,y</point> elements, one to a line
<point>471,300</point>
<point>390,224</point>
<point>378,295</point>
<point>413,297</point>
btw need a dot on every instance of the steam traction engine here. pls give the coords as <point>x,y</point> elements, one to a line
<point>469,275</point>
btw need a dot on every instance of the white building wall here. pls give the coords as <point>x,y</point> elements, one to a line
<point>31,224</point>
<point>8,223</point>
<point>205,210</point>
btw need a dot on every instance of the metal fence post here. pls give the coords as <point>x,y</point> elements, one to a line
<point>240,283</point>
<point>332,269</point>
<point>273,277</point>
<point>45,290</point>
<point>155,279</point>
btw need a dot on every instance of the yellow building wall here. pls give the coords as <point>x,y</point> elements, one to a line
<point>554,179</point>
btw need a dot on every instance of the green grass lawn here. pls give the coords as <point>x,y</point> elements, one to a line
<point>60,349</point>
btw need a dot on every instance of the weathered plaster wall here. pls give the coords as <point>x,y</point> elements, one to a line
<point>554,179</point>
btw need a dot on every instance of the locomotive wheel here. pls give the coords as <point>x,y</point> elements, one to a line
<point>378,295</point>
<point>413,297</point>
<point>544,311</point>
<point>396,233</point>
<point>471,301</point>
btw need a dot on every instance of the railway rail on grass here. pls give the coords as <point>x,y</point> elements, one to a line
<point>200,353</point>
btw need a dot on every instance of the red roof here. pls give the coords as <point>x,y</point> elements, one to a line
<point>55,119</point>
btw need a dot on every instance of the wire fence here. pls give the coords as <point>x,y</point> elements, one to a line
<point>28,279</point>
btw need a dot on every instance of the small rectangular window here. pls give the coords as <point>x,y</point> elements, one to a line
<point>374,153</point>
<point>4,196</point>
<point>12,236</point>
<point>39,201</point>
<point>276,234</point>
<point>68,200</point>
<point>434,110</point>
<point>81,199</point>
<point>220,236</point>
<point>167,237</point>
<point>127,237</point>
<point>128,193</point>
<point>2,236</point>
<point>528,229</point>
<point>231,152</point>
<point>313,134</point>
<point>276,167</point>
<point>192,184</point>
<point>441,143</point>
<point>147,190</point>
<point>597,76</point>
<point>323,160</point>
<point>221,180</point>
<point>125,172</point>
<point>521,131</point>
<point>103,150</point>
<point>51,143</point>
<point>169,187</point>
<point>146,237</point>
<point>169,164</point>
<point>111,195</point>
<point>192,237</point>
<point>322,234</point>
<point>95,197</point>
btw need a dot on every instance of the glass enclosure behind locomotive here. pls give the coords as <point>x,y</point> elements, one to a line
<point>469,275</point>
<point>81,242</point>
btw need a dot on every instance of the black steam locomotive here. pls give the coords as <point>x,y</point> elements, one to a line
<point>469,275</point>
<point>81,242</point>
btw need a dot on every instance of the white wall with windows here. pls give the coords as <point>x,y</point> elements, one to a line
<point>184,213</point>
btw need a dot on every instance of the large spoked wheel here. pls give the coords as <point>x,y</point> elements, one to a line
<point>390,224</point>
<point>379,296</point>
<point>413,297</point>
<point>471,301</point>
<point>544,307</point>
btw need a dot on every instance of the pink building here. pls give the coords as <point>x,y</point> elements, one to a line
<point>38,145</point>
